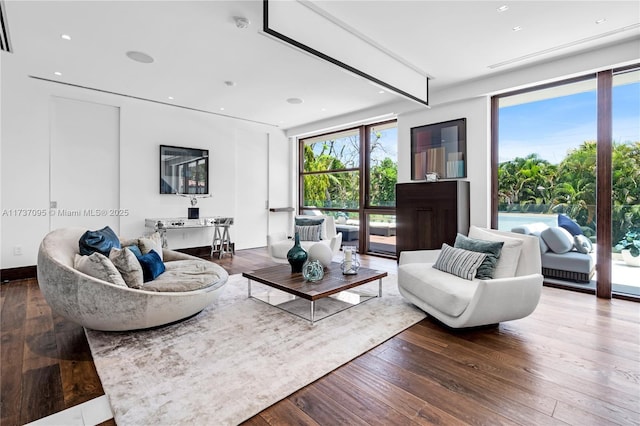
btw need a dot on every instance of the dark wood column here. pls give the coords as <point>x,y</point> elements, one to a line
<point>603,183</point>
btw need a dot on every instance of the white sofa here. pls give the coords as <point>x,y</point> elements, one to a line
<point>100,305</point>
<point>279,244</point>
<point>460,303</point>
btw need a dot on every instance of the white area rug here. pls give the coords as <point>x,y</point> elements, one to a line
<point>237,357</point>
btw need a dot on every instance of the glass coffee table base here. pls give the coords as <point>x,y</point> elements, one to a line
<point>311,310</point>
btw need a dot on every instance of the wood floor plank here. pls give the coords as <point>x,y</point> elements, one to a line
<point>404,402</point>
<point>496,395</point>
<point>12,328</point>
<point>284,413</point>
<point>42,393</point>
<point>361,402</point>
<point>444,397</point>
<point>322,409</point>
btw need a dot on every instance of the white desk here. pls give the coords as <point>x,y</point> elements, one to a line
<point>161,224</point>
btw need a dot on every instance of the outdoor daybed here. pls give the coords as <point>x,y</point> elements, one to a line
<point>564,256</point>
<point>102,305</point>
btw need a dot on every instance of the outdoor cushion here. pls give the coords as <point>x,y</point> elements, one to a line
<point>558,239</point>
<point>567,223</point>
<point>570,261</point>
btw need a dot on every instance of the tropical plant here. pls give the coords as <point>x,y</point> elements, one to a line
<point>631,242</point>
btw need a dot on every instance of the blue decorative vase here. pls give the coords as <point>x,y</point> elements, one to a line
<point>296,255</point>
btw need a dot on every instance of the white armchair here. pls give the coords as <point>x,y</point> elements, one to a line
<point>460,303</point>
<point>278,243</point>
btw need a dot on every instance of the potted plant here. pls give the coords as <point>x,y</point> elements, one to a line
<point>629,247</point>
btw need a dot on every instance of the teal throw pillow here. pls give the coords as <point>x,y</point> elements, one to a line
<point>491,248</point>
<point>152,265</point>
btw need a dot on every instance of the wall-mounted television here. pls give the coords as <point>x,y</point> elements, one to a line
<point>439,148</point>
<point>184,170</point>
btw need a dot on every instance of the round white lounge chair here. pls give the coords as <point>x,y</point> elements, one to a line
<point>100,305</point>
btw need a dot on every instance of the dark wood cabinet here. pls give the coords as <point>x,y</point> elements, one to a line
<point>429,214</point>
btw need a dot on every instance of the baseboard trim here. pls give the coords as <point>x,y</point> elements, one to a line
<point>19,273</point>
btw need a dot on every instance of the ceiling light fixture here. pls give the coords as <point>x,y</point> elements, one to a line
<point>601,20</point>
<point>502,8</point>
<point>65,36</point>
<point>241,22</point>
<point>381,91</point>
<point>221,108</point>
<point>170,98</point>
<point>58,73</point>
<point>517,28</point>
<point>295,101</point>
<point>139,57</point>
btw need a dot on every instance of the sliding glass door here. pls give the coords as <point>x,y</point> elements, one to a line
<point>625,209</point>
<point>553,155</point>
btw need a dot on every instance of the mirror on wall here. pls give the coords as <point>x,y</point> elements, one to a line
<point>184,170</point>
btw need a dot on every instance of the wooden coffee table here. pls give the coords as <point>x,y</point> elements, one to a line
<point>333,283</point>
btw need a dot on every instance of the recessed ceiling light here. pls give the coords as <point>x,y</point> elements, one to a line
<point>323,109</point>
<point>381,91</point>
<point>295,101</point>
<point>517,28</point>
<point>502,8</point>
<point>170,98</point>
<point>140,57</point>
<point>58,73</point>
<point>221,108</point>
<point>601,20</point>
<point>65,36</point>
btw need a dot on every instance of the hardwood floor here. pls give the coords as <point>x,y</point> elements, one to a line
<point>575,360</point>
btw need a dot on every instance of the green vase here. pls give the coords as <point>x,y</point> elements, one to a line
<point>296,255</point>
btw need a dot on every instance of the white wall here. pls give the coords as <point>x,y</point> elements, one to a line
<point>477,113</point>
<point>143,127</point>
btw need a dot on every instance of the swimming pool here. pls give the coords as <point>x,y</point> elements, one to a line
<point>507,221</point>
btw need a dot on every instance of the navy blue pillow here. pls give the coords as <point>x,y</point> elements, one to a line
<point>101,241</point>
<point>568,224</point>
<point>152,265</point>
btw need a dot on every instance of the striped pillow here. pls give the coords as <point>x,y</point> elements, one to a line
<point>463,263</point>
<point>309,233</point>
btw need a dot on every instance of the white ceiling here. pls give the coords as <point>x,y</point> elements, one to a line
<point>197,47</point>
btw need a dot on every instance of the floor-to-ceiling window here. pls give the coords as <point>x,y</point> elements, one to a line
<point>625,214</point>
<point>351,175</point>
<point>551,154</point>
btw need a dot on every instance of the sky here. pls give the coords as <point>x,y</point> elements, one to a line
<point>551,127</point>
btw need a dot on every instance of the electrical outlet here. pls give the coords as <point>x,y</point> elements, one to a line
<point>17,251</point>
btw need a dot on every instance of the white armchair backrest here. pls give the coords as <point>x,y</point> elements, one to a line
<point>329,225</point>
<point>529,261</point>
